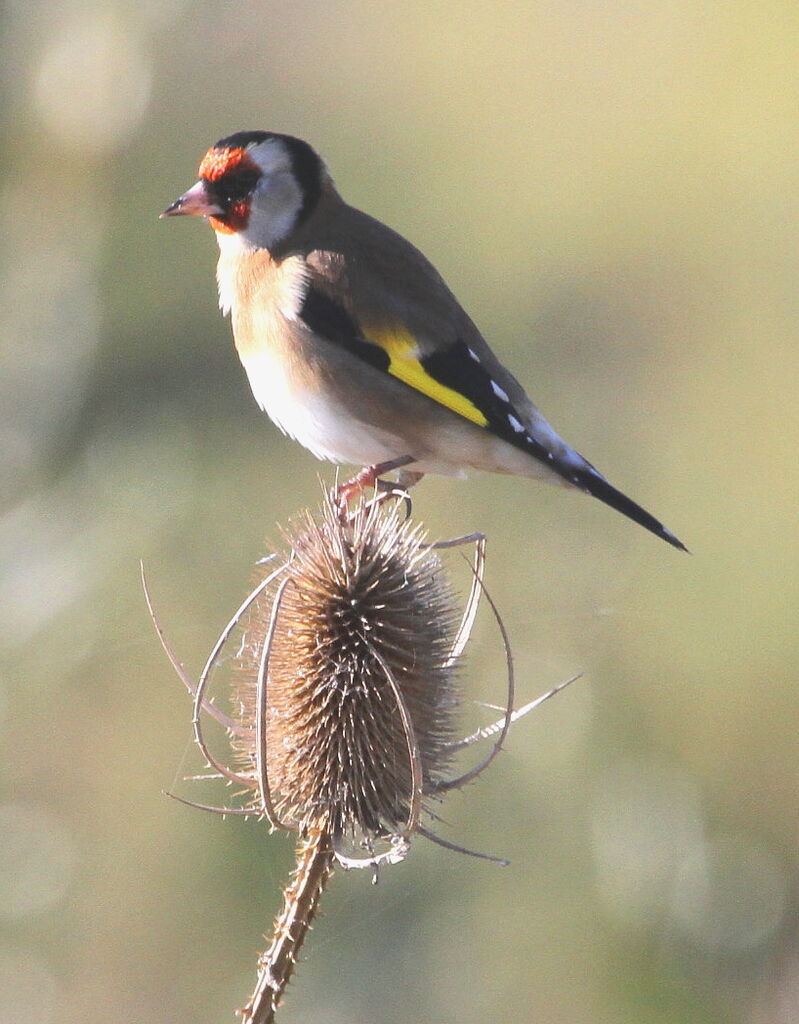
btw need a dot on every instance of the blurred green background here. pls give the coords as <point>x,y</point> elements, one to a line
<point>612,190</point>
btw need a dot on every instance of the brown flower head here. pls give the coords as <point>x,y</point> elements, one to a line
<point>349,663</point>
<point>343,704</point>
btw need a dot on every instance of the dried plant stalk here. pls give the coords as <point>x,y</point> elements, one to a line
<point>344,704</point>
<point>348,690</point>
<point>300,900</point>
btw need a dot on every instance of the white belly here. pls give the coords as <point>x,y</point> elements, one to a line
<point>308,417</point>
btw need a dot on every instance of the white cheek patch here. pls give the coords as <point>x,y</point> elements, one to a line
<point>274,209</point>
<point>271,156</point>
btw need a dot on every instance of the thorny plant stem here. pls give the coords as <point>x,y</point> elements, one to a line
<point>300,901</point>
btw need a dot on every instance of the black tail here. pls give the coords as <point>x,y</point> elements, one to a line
<point>593,483</point>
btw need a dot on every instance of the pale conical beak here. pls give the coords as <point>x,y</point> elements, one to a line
<point>197,202</point>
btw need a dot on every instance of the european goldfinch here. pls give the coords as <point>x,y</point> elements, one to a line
<point>352,342</point>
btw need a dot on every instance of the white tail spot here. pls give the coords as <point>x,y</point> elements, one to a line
<point>517,426</point>
<point>502,395</point>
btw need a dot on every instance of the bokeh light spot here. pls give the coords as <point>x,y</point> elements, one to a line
<point>37,856</point>
<point>729,896</point>
<point>645,819</point>
<point>93,84</point>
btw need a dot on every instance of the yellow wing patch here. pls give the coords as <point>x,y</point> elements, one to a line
<point>401,348</point>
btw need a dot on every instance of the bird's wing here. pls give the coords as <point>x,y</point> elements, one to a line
<point>397,315</point>
<point>395,312</point>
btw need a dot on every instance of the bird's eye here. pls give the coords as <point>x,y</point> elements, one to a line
<point>229,174</point>
<point>235,185</point>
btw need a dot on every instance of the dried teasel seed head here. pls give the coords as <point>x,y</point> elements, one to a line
<point>359,696</point>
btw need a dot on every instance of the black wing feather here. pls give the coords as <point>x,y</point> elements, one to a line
<point>329,319</point>
<point>455,367</point>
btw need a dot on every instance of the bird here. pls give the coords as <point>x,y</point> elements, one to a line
<point>352,342</point>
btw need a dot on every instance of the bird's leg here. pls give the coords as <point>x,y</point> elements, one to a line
<point>406,478</point>
<point>369,476</point>
<point>385,489</point>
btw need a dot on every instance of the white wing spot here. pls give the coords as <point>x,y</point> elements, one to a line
<point>518,427</point>
<point>502,395</point>
<point>473,354</point>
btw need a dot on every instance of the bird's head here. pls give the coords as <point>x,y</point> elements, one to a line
<point>256,186</point>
